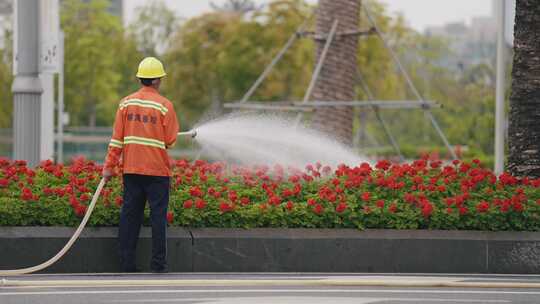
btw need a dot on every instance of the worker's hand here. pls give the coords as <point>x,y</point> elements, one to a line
<point>107,173</point>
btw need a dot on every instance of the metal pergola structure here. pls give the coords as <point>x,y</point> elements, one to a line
<point>307,105</point>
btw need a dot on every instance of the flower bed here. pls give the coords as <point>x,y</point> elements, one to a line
<point>421,195</point>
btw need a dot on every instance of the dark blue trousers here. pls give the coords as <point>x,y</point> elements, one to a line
<point>137,190</point>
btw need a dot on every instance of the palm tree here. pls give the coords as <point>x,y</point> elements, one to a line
<point>336,81</point>
<point>524,129</point>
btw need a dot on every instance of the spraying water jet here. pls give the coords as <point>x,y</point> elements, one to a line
<point>269,139</point>
<point>190,133</point>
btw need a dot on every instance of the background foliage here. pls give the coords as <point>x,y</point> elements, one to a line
<point>215,57</point>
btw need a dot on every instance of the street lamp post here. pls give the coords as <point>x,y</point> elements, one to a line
<point>27,87</point>
<point>499,91</point>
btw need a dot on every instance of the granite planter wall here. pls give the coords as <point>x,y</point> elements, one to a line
<point>284,250</point>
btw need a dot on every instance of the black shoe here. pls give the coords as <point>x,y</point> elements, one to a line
<point>131,270</point>
<point>161,270</point>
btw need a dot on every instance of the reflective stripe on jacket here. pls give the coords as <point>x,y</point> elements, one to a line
<point>144,127</point>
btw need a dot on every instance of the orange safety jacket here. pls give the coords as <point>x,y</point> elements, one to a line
<point>144,127</point>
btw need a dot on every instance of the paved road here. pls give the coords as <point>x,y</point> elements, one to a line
<point>264,288</point>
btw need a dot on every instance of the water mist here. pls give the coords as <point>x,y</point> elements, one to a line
<point>269,139</point>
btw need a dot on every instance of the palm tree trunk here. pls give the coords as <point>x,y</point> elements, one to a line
<point>337,78</point>
<point>524,129</point>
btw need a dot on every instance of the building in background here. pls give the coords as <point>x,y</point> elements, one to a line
<point>475,42</point>
<point>471,44</point>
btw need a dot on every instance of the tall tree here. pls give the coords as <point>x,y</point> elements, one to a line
<point>91,34</point>
<point>219,55</point>
<point>153,28</point>
<point>524,129</point>
<point>6,78</point>
<point>336,81</point>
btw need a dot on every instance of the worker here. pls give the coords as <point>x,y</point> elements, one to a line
<point>144,128</point>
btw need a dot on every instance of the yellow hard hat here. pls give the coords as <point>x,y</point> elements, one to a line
<point>150,67</point>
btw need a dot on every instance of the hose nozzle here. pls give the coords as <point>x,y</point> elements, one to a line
<point>190,133</point>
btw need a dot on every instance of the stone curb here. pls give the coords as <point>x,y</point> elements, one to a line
<point>283,250</point>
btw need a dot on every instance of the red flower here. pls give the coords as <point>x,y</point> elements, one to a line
<point>200,204</point>
<point>366,196</point>
<point>118,201</point>
<point>73,202</point>
<point>409,198</point>
<point>418,179</point>
<point>294,179</point>
<point>84,197</point>
<point>4,182</point>
<point>195,191</point>
<point>58,173</point>
<point>289,205</point>
<point>60,192</point>
<point>318,209</point>
<point>20,163</point>
<point>463,210</point>
<point>331,197</point>
<point>27,194</point>
<point>68,189</point>
<point>47,191</point>
<point>518,206</point>
<point>311,202</point>
<point>435,164</point>
<point>83,189</point>
<point>80,210</point>
<point>244,201</point>
<point>297,189</point>
<point>427,209</point>
<point>380,204</point>
<point>327,170</point>
<point>341,207</point>
<point>505,206</point>
<point>170,217</point>
<point>233,196</point>
<point>274,200</point>
<point>392,208</point>
<point>482,207</point>
<point>383,165</point>
<point>225,207</point>
<point>188,204</point>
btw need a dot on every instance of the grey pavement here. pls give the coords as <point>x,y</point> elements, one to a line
<point>243,288</point>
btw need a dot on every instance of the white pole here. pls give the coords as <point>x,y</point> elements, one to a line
<point>27,87</point>
<point>499,91</point>
<point>60,122</point>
